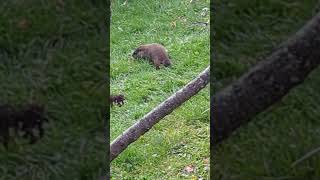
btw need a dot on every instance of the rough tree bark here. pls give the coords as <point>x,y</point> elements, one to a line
<point>153,117</point>
<point>267,82</point>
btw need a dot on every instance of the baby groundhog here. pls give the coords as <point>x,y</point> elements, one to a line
<point>118,99</point>
<point>155,53</point>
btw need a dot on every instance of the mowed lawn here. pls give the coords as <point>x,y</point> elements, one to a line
<point>54,52</point>
<point>267,147</point>
<point>180,142</point>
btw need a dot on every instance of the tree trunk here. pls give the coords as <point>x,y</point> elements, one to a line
<point>267,82</point>
<point>153,117</point>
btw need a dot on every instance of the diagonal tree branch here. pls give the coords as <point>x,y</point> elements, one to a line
<point>267,82</point>
<point>153,117</point>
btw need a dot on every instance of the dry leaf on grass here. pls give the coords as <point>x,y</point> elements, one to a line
<point>23,24</point>
<point>189,169</point>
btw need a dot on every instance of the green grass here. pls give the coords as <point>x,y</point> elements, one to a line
<point>266,147</point>
<point>59,59</point>
<point>182,138</point>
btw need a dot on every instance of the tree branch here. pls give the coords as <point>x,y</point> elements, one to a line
<point>153,117</point>
<point>267,82</point>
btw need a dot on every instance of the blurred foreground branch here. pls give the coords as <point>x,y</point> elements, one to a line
<point>267,82</point>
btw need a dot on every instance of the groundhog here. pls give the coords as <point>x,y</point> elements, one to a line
<point>118,99</point>
<point>24,120</point>
<point>155,53</point>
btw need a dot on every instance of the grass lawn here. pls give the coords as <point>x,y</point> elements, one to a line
<point>267,147</point>
<point>54,52</point>
<point>182,138</point>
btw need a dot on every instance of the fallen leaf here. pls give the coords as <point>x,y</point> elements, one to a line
<point>173,24</point>
<point>194,178</point>
<point>60,3</point>
<point>23,24</point>
<point>125,3</point>
<point>189,169</point>
<point>206,161</point>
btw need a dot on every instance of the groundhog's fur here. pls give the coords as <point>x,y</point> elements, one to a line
<point>32,117</point>
<point>155,53</point>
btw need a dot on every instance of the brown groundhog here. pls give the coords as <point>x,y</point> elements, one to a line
<point>155,53</point>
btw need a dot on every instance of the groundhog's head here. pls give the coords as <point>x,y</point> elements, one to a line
<point>139,52</point>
